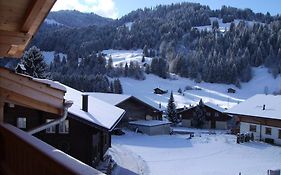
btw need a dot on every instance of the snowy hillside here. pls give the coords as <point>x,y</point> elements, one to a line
<point>210,92</point>
<point>49,56</point>
<point>224,26</point>
<point>125,56</point>
<point>52,22</point>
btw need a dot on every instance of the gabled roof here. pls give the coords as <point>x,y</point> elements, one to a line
<point>209,104</point>
<point>254,107</point>
<point>19,21</point>
<point>110,98</point>
<point>215,107</point>
<point>116,99</point>
<point>99,112</point>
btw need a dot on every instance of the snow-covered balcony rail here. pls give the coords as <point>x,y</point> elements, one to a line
<point>21,153</point>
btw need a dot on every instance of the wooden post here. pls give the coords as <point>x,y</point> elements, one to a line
<point>1,110</point>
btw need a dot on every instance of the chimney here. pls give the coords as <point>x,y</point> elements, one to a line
<point>85,102</point>
<point>263,107</point>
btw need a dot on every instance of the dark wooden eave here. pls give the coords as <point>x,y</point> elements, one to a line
<point>19,21</point>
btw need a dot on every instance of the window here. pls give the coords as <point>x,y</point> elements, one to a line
<point>279,134</point>
<point>268,131</point>
<point>253,128</point>
<point>21,122</point>
<point>51,129</point>
<point>64,127</point>
<point>216,114</point>
<point>208,114</point>
<point>194,114</point>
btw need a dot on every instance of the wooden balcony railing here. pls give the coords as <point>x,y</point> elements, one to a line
<point>22,154</point>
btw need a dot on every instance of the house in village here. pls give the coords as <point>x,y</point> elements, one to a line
<point>215,116</point>
<point>21,152</point>
<point>135,108</point>
<point>88,116</point>
<point>160,91</point>
<point>260,115</point>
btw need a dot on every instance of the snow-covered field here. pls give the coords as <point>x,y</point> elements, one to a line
<point>125,56</point>
<point>49,56</point>
<point>224,26</point>
<point>210,92</point>
<point>204,154</point>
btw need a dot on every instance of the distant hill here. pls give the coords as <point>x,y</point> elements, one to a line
<point>73,18</point>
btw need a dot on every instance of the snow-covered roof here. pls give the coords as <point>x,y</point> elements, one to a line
<point>149,122</point>
<point>99,112</point>
<point>254,107</point>
<point>51,83</point>
<point>110,98</point>
<point>214,106</point>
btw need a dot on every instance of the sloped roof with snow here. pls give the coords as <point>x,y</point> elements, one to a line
<point>99,112</point>
<point>254,107</point>
<point>214,106</point>
<point>150,122</point>
<point>113,99</point>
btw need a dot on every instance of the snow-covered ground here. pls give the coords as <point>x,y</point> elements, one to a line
<point>125,56</point>
<point>224,26</point>
<point>210,92</point>
<point>204,154</point>
<point>49,56</point>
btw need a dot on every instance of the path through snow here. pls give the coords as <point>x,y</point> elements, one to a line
<point>128,163</point>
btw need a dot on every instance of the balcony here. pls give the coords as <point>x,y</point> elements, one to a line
<point>21,153</point>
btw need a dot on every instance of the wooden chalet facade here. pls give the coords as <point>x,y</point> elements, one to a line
<point>260,115</point>
<point>23,99</point>
<point>135,108</point>
<point>215,118</point>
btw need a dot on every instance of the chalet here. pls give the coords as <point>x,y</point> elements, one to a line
<point>230,90</point>
<point>21,153</point>
<point>159,91</point>
<point>215,118</point>
<point>260,115</point>
<point>88,116</point>
<point>135,108</point>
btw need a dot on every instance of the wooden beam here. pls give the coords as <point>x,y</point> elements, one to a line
<point>2,109</point>
<point>32,13</point>
<point>13,38</point>
<point>30,93</point>
<point>27,81</point>
<point>19,99</point>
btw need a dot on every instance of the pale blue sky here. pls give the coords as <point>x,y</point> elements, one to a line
<point>118,8</point>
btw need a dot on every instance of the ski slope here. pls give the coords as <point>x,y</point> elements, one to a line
<point>125,56</point>
<point>224,26</point>
<point>210,92</point>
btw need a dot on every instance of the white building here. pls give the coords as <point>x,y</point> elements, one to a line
<point>260,115</point>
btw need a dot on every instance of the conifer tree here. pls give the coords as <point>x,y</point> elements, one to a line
<point>117,87</point>
<point>34,63</point>
<point>171,110</point>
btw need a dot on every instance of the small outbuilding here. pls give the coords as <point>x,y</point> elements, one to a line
<point>230,90</point>
<point>160,91</point>
<point>151,127</point>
